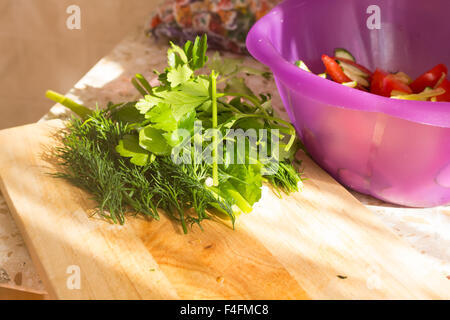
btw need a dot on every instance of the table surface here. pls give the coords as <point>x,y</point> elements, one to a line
<point>427,230</point>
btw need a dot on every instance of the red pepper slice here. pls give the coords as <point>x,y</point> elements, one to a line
<point>334,70</point>
<point>383,83</point>
<point>391,83</point>
<point>362,68</point>
<point>445,96</point>
<point>429,78</point>
<point>376,86</point>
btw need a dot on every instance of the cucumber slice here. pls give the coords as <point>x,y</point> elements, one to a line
<point>352,69</point>
<point>302,65</point>
<point>355,77</point>
<point>403,77</point>
<point>344,54</point>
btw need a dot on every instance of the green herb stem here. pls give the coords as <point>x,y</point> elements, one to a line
<point>290,126</point>
<point>215,168</point>
<point>228,188</point>
<point>253,100</point>
<point>231,107</point>
<point>245,96</point>
<point>80,110</point>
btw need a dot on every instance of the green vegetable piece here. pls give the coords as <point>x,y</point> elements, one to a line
<point>176,56</point>
<point>201,52</point>
<point>229,192</point>
<point>129,147</point>
<point>188,48</point>
<point>230,122</point>
<point>152,140</point>
<point>144,83</point>
<point>224,66</point>
<point>288,155</point>
<point>251,123</point>
<point>162,118</point>
<point>81,111</point>
<point>196,52</point>
<point>198,87</point>
<point>179,75</point>
<point>182,102</point>
<point>248,182</point>
<point>187,121</point>
<point>174,138</point>
<point>180,52</point>
<point>343,53</point>
<point>215,168</point>
<point>144,105</point>
<point>302,65</point>
<point>257,72</point>
<point>138,87</point>
<point>237,85</point>
<point>127,113</point>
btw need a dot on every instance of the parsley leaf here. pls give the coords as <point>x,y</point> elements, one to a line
<point>247,180</point>
<point>178,75</point>
<point>144,105</point>
<point>127,113</point>
<point>176,56</point>
<point>196,52</point>
<point>237,85</point>
<point>198,87</point>
<point>224,66</point>
<point>129,147</point>
<point>182,102</point>
<point>162,117</point>
<point>152,140</point>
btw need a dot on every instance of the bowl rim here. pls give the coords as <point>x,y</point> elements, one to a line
<point>326,91</point>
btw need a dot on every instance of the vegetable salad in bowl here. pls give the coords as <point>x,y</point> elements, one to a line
<point>432,85</point>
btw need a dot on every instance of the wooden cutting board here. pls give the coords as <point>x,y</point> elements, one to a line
<point>318,243</point>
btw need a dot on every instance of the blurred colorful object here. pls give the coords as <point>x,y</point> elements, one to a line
<point>226,22</point>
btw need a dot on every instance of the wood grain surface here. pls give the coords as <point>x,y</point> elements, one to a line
<point>318,243</point>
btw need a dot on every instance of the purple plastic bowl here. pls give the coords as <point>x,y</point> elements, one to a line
<point>395,150</point>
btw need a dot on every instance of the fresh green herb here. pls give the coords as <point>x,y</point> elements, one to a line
<point>89,161</point>
<point>141,156</point>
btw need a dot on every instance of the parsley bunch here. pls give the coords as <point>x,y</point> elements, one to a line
<point>124,155</point>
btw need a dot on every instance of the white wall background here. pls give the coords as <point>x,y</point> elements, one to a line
<point>38,52</point>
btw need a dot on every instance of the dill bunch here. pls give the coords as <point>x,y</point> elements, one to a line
<point>88,160</point>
